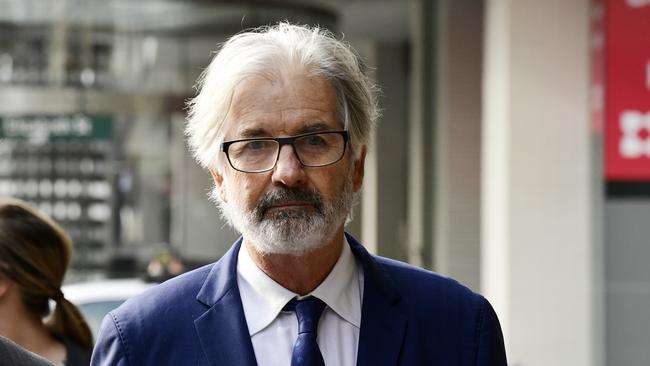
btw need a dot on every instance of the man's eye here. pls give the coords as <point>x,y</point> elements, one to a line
<point>258,145</point>
<point>315,141</point>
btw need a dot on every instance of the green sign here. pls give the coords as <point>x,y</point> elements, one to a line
<point>44,129</point>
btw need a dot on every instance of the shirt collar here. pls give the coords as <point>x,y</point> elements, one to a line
<point>340,290</point>
<point>263,298</point>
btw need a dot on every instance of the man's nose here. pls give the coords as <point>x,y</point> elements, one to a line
<point>288,169</point>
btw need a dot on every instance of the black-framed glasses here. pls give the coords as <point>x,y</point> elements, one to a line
<point>260,154</point>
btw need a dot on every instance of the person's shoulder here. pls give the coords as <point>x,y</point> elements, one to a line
<point>13,354</point>
<point>178,293</point>
<point>155,324</point>
<point>436,301</point>
<point>426,285</point>
<point>176,288</point>
<point>411,282</point>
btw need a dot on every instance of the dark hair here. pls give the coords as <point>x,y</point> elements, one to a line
<point>34,254</point>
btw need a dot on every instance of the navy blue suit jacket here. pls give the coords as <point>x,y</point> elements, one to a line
<point>409,317</point>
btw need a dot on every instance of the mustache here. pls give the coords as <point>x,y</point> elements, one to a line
<point>285,195</point>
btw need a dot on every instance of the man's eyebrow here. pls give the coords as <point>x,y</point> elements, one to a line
<point>315,127</point>
<point>253,132</point>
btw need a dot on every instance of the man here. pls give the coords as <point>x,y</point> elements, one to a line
<point>281,122</point>
<point>12,354</point>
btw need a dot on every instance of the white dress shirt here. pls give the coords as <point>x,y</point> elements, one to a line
<point>273,331</point>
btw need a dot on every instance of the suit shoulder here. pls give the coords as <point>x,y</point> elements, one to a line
<point>426,284</point>
<point>467,327</point>
<point>147,327</point>
<point>177,292</point>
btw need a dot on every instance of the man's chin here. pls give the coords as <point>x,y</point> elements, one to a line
<point>293,213</point>
<point>288,233</point>
<point>290,248</point>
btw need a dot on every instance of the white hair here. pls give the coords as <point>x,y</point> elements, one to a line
<point>270,51</point>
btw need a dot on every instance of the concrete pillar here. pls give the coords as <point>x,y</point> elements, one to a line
<point>540,247</point>
<point>445,138</point>
<point>420,142</point>
<point>384,192</point>
<point>457,133</point>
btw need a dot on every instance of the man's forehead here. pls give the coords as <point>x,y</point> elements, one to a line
<point>277,129</point>
<point>291,82</point>
<point>262,106</point>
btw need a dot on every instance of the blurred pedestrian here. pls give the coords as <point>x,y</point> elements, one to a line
<point>163,266</point>
<point>34,256</point>
<point>12,354</point>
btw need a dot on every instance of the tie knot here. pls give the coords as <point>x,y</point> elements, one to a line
<point>308,312</point>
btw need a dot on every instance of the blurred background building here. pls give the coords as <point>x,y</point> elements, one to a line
<point>513,153</point>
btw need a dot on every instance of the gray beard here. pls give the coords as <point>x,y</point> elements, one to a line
<point>294,231</point>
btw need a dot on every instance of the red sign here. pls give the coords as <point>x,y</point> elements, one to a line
<point>627,90</point>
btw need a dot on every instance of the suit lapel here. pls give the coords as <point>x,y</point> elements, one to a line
<point>383,325</point>
<point>222,329</point>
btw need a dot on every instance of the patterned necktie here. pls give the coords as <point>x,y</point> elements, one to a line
<point>305,350</point>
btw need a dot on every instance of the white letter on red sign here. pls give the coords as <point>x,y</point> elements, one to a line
<point>632,145</point>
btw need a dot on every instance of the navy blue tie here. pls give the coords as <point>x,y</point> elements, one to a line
<point>305,350</point>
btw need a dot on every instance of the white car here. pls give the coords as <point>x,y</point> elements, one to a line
<point>96,298</point>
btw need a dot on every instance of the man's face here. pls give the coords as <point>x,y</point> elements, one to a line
<point>290,209</point>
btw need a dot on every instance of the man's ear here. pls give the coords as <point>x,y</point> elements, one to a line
<point>359,169</point>
<point>218,183</point>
